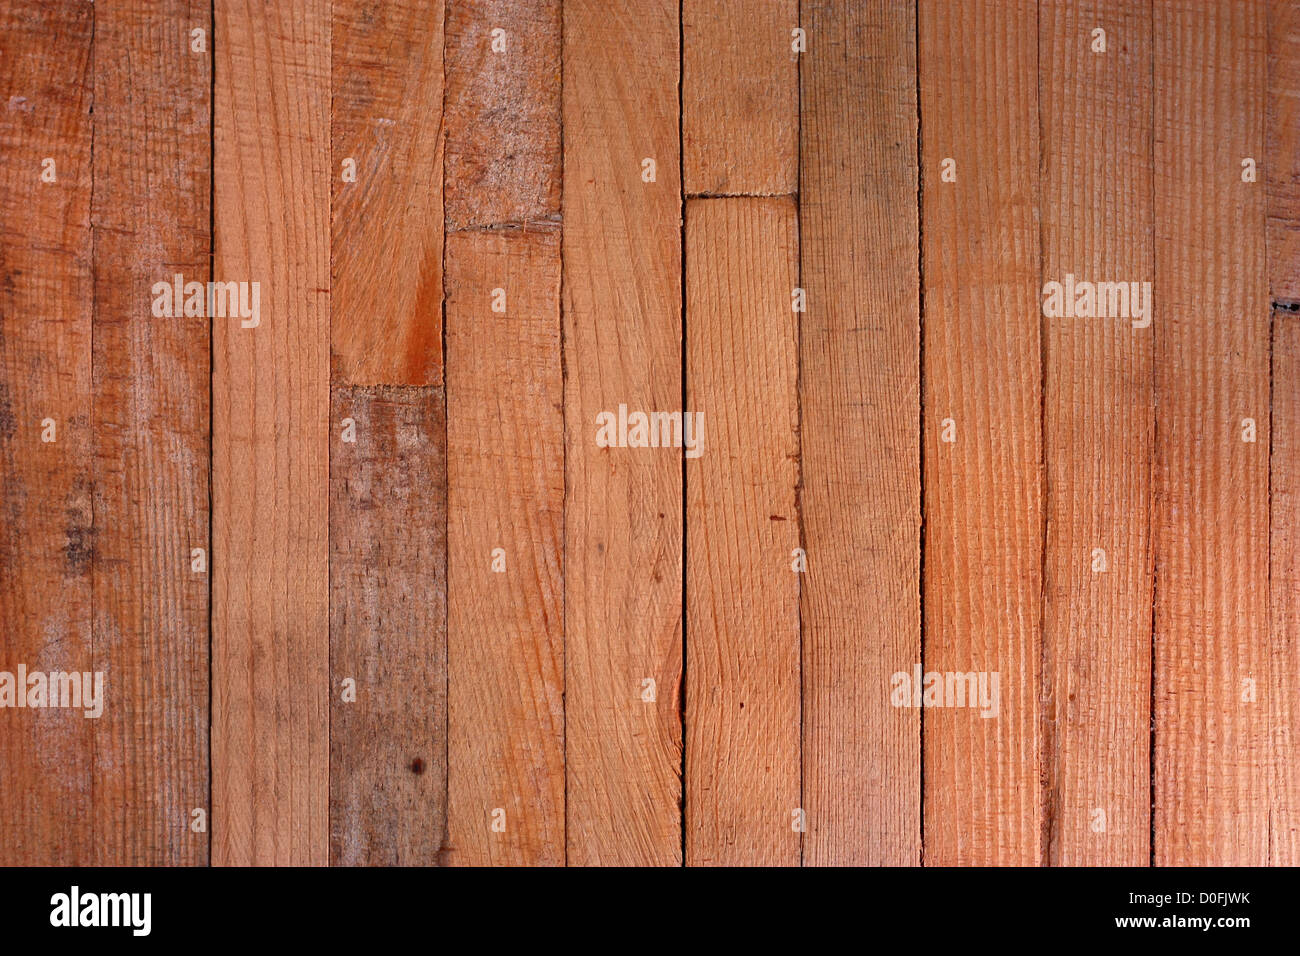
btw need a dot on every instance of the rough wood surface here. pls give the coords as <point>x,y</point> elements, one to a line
<point>1215,758</point>
<point>503,111</point>
<point>505,404</point>
<point>740,97</point>
<point>386,249</point>
<point>270,446</point>
<point>151,384</point>
<point>982,371</point>
<point>1282,149</point>
<point>47,535</point>
<point>742,631</point>
<point>859,397</point>
<point>623,510</point>
<point>1283,686</point>
<point>1095,117</point>
<point>388,626</point>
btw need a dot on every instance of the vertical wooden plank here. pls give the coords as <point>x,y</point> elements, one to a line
<point>505,404</point>
<point>1283,690</point>
<point>386,249</point>
<point>1282,165</point>
<point>270,640</point>
<point>47,541</point>
<point>1282,151</point>
<point>623,513</point>
<point>151,380</point>
<point>740,97</point>
<point>1095,120</point>
<point>503,112</point>
<point>1215,761</point>
<point>983,496</point>
<point>388,604</point>
<point>742,685</point>
<point>860,408</point>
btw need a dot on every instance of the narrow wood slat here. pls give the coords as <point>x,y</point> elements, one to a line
<point>742,685</point>
<point>505,404</point>
<point>1282,689</point>
<point>503,112</point>
<point>1095,116</point>
<point>1214,759</point>
<point>860,432</point>
<point>1282,171</point>
<point>1282,149</point>
<point>983,492</point>
<point>388,625</point>
<point>623,513</point>
<point>386,250</point>
<point>47,542</point>
<point>740,97</point>
<point>270,617</point>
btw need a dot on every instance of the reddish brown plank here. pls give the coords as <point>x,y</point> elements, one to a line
<point>270,442</point>
<point>742,685</point>
<point>860,408</point>
<point>740,97</point>
<point>1282,149</point>
<point>503,111</point>
<point>151,216</point>
<point>47,541</point>
<point>1283,683</point>
<point>505,403</point>
<point>983,491</point>
<point>1095,117</point>
<point>623,510</point>
<point>388,619</point>
<point>386,249</point>
<point>1215,757</point>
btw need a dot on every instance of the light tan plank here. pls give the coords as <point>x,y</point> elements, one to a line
<point>740,97</point>
<point>505,403</point>
<point>742,684</point>
<point>270,560</point>
<point>623,511</point>
<point>860,406</point>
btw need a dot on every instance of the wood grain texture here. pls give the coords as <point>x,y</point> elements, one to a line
<point>151,385</point>
<point>983,492</point>
<point>1095,121</point>
<point>47,539</point>
<point>740,97</point>
<point>742,632</point>
<point>386,249</point>
<point>1282,149</point>
<point>505,405</point>
<point>503,112</point>
<point>1283,689</point>
<point>388,626</point>
<point>859,397</point>
<point>1215,756</point>
<point>270,401</point>
<point>623,512</point>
